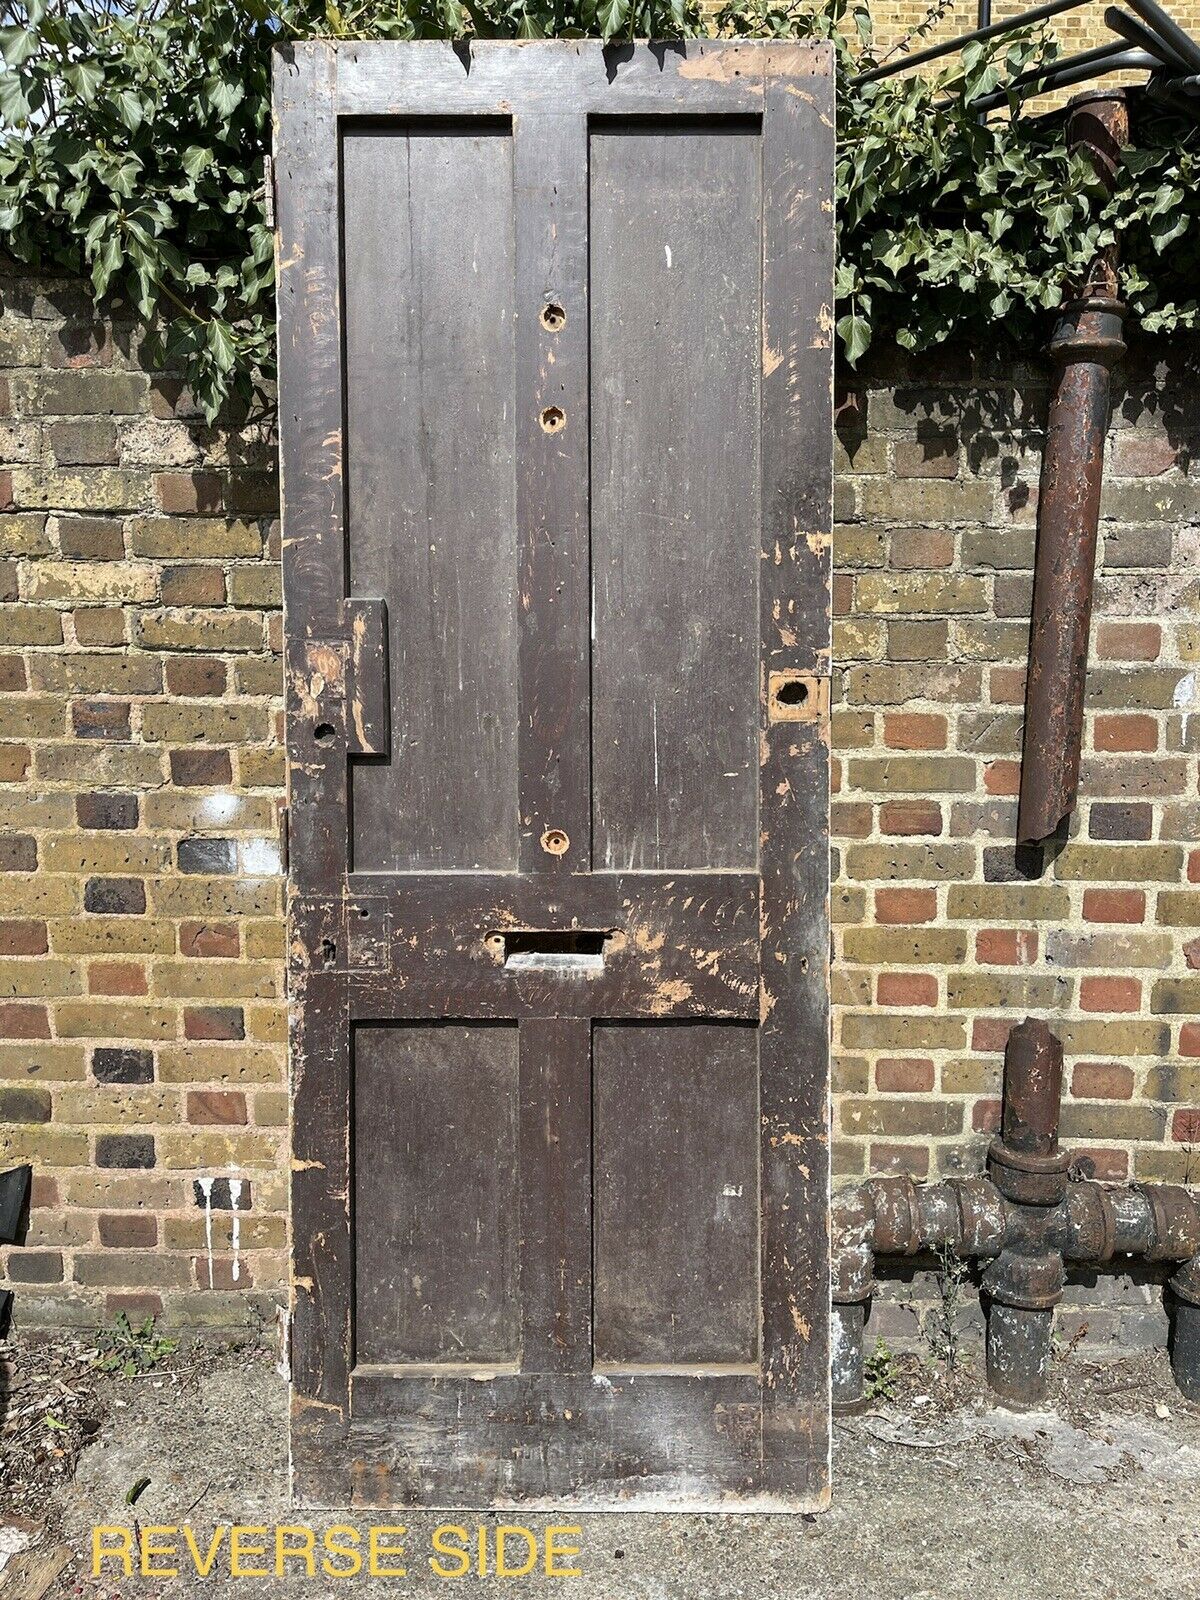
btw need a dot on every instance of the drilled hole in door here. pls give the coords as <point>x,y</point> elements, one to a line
<point>553,419</point>
<point>553,317</point>
<point>323,732</point>
<point>555,842</point>
<point>792,693</point>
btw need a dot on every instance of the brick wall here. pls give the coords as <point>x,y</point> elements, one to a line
<point>1078,29</point>
<point>142,1020</point>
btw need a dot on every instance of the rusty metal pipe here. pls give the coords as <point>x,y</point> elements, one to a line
<point>1024,1221</point>
<point>1185,1329</point>
<point>1084,347</point>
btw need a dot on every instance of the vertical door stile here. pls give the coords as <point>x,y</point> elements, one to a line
<point>550,164</point>
<point>797,378</point>
<point>311,412</point>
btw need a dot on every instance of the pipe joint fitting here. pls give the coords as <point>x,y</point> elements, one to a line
<point>853,1274</point>
<point>1185,1284</point>
<point>1175,1222</point>
<point>982,1216</point>
<point>1028,1178</point>
<point>897,1213</point>
<point>1091,1231</point>
<point>1089,329</point>
<point>1027,1282</point>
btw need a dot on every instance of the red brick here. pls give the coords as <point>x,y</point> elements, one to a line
<point>23,938</point>
<point>1114,905</point>
<point>913,730</point>
<point>213,1022</point>
<point>1110,994</point>
<point>1125,732</point>
<point>209,939</point>
<point>1101,1080</point>
<point>1185,1125</point>
<point>1006,947</point>
<point>843,594</point>
<point>1193,866</point>
<point>1002,777</point>
<point>904,1075</point>
<point>1106,1166</point>
<point>908,818</point>
<point>23,1022</point>
<point>1006,686</point>
<point>1191,954</point>
<point>912,1159</point>
<point>117,977</point>
<point>985,1116</point>
<point>990,1034</point>
<point>14,762</point>
<point>136,1305</point>
<point>224,1107</point>
<point>1129,641</point>
<point>185,493</point>
<point>907,989</point>
<point>216,1272</point>
<point>1189,1039</point>
<point>922,549</point>
<point>1142,455</point>
<point>128,1231</point>
<point>905,906</point>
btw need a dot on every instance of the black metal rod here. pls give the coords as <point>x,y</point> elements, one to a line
<point>1061,76</point>
<point>1168,29</point>
<point>991,31</point>
<point>1137,34</point>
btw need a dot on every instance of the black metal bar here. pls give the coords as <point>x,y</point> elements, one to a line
<point>1143,38</point>
<point>1169,30</point>
<point>948,46</point>
<point>1062,74</point>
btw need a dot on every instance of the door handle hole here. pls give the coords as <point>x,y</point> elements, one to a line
<point>792,693</point>
<point>543,950</point>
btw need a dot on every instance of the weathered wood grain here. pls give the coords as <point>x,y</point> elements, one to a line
<point>555,356</point>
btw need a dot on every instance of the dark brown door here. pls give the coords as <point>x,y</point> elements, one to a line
<point>555,401</point>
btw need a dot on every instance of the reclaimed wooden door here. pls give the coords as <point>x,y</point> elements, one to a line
<point>555,360</point>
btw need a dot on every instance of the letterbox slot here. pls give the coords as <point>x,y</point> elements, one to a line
<point>534,949</point>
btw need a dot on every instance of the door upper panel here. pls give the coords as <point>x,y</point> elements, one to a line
<point>431,493</point>
<point>676,270</point>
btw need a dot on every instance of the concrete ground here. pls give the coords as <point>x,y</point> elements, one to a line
<point>936,1496</point>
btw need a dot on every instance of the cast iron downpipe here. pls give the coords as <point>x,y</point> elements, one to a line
<point>1025,1221</point>
<point>1084,347</point>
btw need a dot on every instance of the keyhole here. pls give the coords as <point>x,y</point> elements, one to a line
<point>553,317</point>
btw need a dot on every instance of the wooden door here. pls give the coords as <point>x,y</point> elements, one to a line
<point>555,405</point>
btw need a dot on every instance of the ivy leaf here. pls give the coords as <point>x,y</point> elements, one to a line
<point>85,77</point>
<point>855,333</point>
<point>611,15</point>
<point>1058,220</point>
<point>221,344</point>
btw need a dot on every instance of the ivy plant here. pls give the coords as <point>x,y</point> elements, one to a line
<point>133,135</point>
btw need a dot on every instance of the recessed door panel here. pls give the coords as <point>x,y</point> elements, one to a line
<point>676,285</point>
<point>676,1194</point>
<point>435,1189</point>
<point>431,496</point>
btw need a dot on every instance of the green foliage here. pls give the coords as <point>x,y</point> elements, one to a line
<point>125,1350</point>
<point>880,1374</point>
<point>950,225</point>
<point>133,132</point>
